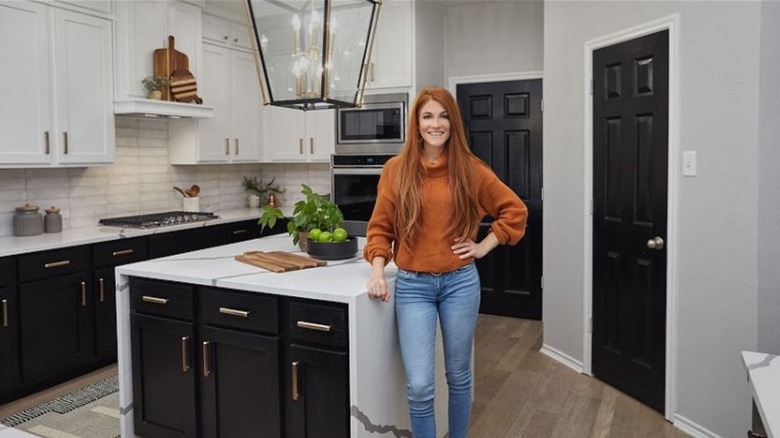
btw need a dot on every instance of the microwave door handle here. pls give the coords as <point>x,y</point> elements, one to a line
<point>357,171</point>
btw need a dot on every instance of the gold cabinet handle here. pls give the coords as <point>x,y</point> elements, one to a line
<point>311,145</point>
<point>225,37</point>
<point>102,290</point>
<point>235,232</point>
<point>313,326</point>
<point>234,312</point>
<point>300,145</point>
<point>206,370</point>
<point>46,137</point>
<point>65,137</point>
<point>295,381</point>
<point>83,294</point>
<point>5,313</point>
<point>371,70</point>
<point>155,300</point>
<point>227,146</point>
<point>236,141</point>
<point>122,252</point>
<point>185,360</point>
<point>57,264</point>
<point>235,40</point>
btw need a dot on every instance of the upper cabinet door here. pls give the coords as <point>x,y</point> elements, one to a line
<point>84,88</point>
<point>214,86</point>
<point>185,24</point>
<point>245,116</point>
<point>25,119</point>
<point>321,132</point>
<point>391,60</point>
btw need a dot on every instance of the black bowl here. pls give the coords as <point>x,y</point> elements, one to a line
<point>332,250</point>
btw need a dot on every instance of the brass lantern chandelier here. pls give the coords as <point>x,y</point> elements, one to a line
<point>314,53</point>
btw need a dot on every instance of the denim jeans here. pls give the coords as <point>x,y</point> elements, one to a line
<point>419,299</point>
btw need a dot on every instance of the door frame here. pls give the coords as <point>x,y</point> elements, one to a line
<point>498,77</point>
<point>672,24</point>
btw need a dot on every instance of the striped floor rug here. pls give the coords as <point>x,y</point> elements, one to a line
<point>89,412</point>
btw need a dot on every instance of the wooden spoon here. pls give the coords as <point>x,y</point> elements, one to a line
<point>180,191</point>
<point>194,191</point>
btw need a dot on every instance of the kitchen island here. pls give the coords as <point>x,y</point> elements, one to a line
<point>375,402</point>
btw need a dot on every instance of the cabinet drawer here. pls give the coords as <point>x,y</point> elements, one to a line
<point>7,271</point>
<point>120,252</point>
<point>321,323</point>
<point>240,231</point>
<point>162,298</point>
<point>239,310</point>
<point>40,265</point>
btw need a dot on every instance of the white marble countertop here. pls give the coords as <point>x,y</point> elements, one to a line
<point>764,376</point>
<point>11,245</point>
<point>339,281</point>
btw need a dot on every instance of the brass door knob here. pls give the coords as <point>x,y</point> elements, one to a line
<point>656,243</point>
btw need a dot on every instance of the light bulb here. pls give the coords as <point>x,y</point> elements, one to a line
<point>296,23</point>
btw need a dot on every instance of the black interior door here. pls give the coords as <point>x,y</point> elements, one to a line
<point>504,124</point>
<point>630,150</point>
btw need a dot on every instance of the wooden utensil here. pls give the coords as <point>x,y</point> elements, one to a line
<point>180,191</point>
<point>193,191</point>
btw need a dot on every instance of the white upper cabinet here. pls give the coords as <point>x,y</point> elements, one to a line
<point>102,7</point>
<point>391,59</point>
<point>58,111</point>
<point>294,135</point>
<point>230,33</point>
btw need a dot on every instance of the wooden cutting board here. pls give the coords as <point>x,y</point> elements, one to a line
<point>279,261</point>
<point>168,60</point>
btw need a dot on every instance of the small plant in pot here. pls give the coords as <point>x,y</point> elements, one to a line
<point>315,226</point>
<point>154,86</point>
<point>257,191</point>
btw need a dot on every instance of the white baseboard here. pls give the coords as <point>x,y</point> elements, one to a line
<point>562,357</point>
<point>693,429</point>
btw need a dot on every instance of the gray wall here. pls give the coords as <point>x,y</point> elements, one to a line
<point>494,37</point>
<point>718,209</point>
<point>769,182</point>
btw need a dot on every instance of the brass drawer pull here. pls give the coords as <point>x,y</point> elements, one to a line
<point>311,145</point>
<point>155,300</point>
<point>65,136</point>
<point>102,290</point>
<point>57,264</point>
<point>314,326</point>
<point>227,146</point>
<point>300,145</point>
<point>239,232</point>
<point>236,140</point>
<point>295,381</point>
<point>5,313</point>
<point>206,370</point>
<point>234,312</point>
<point>46,136</point>
<point>83,294</point>
<point>122,252</point>
<point>185,360</point>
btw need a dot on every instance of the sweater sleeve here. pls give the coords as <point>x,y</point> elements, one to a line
<point>380,233</point>
<point>507,209</point>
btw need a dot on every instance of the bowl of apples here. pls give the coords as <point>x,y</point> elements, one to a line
<point>327,245</point>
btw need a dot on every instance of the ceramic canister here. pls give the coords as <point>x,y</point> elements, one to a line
<point>53,220</point>
<point>27,221</point>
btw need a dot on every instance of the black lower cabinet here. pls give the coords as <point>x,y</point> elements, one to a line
<point>9,344</point>
<point>239,384</point>
<point>164,377</point>
<point>319,393</point>
<point>105,313</point>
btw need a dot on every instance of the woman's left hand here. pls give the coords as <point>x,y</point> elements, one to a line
<point>468,248</point>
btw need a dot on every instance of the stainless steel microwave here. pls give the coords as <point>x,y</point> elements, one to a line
<point>377,127</point>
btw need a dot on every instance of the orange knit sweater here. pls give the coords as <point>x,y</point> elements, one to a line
<point>431,251</point>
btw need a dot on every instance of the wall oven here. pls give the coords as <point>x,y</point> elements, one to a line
<point>353,187</point>
<point>377,127</point>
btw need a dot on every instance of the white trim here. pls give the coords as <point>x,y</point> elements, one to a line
<point>693,429</point>
<point>672,24</point>
<point>561,357</point>
<point>497,77</point>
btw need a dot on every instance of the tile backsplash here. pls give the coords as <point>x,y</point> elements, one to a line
<point>141,181</point>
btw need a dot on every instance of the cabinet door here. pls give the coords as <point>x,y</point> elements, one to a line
<point>317,393</point>
<point>84,88</point>
<point>185,24</point>
<point>239,384</point>
<point>105,313</point>
<point>9,341</point>
<point>24,102</point>
<point>240,231</point>
<point>56,326</point>
<point>214,88</point>
<point>392,55</point>
<point>164,377</point>
<point>285,132</point>
<point>321,133</point>
<point>245,109</point>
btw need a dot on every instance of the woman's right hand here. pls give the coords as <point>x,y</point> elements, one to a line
<point>377,285</point>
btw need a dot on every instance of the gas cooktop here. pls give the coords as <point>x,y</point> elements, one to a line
<point>154,220</point>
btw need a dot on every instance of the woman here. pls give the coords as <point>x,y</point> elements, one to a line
<point>430,200</point>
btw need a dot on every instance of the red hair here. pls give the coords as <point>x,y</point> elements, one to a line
<point>465,210</point>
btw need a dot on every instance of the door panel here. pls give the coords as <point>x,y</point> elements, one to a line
<point>504,124</point>
<point>630,155</point>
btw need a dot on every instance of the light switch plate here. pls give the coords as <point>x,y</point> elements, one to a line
<point>689,163</point>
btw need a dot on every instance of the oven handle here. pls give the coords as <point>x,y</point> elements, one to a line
<point>356,170</point>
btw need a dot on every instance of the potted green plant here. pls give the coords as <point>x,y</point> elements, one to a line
<point>258,190</point>
<point>154,86</point>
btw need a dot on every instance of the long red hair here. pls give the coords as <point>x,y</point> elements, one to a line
<point>465,211</point>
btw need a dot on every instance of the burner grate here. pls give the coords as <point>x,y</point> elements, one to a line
<point>154,220</point>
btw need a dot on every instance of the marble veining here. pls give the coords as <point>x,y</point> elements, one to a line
<point>765,362</point>
<point>376,428</point>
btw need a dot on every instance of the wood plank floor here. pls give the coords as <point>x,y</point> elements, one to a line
<point>519,392</point>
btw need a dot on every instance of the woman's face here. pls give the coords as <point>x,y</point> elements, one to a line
<point>434,123</point>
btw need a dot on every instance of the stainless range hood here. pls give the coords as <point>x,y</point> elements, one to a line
<point>161,108</point>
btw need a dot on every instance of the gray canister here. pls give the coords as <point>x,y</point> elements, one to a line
<point>27,221</point>
<point>53,220</point>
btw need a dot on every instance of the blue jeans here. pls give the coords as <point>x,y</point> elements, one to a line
<point>419,299</point>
